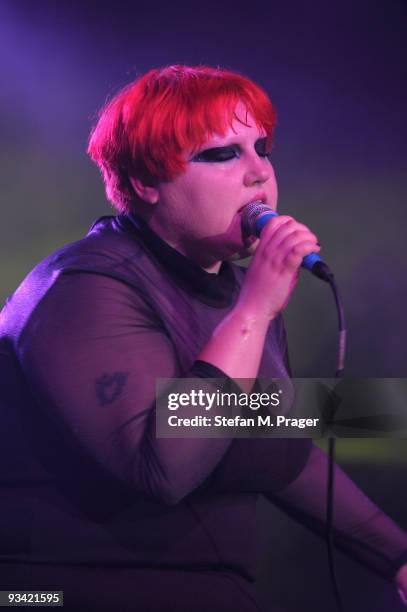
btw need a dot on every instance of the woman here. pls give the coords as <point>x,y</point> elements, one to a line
<point>119,518</point>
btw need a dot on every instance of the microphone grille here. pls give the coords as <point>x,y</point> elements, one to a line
<point>250,214</point>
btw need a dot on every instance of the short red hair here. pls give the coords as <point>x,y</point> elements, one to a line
<point>148,126</point>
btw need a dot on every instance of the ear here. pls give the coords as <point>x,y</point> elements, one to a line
<point>146,192</point>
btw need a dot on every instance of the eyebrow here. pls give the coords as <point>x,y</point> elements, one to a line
<point>230,145</point>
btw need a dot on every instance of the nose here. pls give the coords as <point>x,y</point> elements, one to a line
<point>258,170</point>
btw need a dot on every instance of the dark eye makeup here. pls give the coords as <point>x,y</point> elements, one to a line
<point>221,154</point>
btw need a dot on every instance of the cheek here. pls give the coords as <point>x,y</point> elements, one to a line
<point>226,193</point>
<point>274,190</point>
<point>207,196</point>
<point>215,198</point>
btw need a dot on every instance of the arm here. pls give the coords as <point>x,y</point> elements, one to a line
<point>91,354</point>
<point>237,344</point>
<point>93,350</point>
<point>361,529</point>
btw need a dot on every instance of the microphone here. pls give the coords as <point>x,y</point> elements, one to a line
<point>256,215</point>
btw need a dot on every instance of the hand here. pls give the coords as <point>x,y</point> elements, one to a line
<point>273,271</point>
<point>401,582</point>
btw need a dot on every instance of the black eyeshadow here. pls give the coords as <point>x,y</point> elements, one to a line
<point>228,152</point>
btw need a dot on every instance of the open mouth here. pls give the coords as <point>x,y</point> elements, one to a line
<point>258,199</point>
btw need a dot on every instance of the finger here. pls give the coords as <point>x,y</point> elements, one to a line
<point>279,232</point>
<point>293,258</point>
<point>290,238</point>
<point>276,222</point>
<point>273,226</point>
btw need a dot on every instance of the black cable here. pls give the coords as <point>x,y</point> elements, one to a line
<point>332,443</point>
<point>341,328</point>
<point>252,223</point>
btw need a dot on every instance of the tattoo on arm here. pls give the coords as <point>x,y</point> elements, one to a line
<point>110,386</point>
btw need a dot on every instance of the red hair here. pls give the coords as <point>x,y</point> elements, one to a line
<point>145,130</point>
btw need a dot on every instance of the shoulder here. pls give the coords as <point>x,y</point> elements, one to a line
<point>108,250</point>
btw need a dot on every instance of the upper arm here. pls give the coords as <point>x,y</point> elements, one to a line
<point>91,353</point>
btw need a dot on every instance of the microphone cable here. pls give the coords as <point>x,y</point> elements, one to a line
<point>332,441</point>
<point>254,217</point>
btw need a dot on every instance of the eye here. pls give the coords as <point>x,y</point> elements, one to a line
<point>262,149</point>
<point>218,154</point>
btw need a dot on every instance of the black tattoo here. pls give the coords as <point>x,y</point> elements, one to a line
<point>110,386</point>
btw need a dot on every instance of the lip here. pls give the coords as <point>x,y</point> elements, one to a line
<point>261,196</point>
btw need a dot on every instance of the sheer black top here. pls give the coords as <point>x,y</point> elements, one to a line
<point>84,479</point>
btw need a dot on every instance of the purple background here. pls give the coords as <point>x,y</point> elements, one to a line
<point>336,72</point>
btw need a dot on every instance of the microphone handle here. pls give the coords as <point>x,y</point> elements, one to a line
<point>311,262</point>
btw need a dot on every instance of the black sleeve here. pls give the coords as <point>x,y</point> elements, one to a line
<point>361,529</point>
<point>91,354</point>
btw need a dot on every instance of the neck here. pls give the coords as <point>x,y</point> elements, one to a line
<point>210,265</point>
